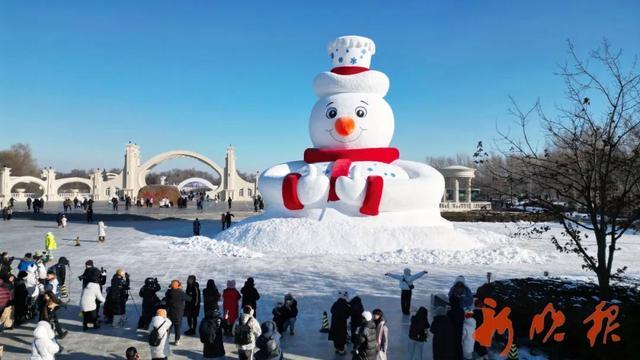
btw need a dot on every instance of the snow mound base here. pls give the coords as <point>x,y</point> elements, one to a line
<point>484,256</point>
<point>212,246</point>
<point>295,236</point>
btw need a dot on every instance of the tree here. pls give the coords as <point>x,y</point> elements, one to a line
<point>591,158</point>
<point>20,159</point>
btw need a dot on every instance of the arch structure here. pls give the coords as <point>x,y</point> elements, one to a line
<point>231,184</point>
<point>195,180</point>
<point>48,184</point>
<point>131,179</point>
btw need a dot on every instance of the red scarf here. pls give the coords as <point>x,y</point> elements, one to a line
<point>342,159</point>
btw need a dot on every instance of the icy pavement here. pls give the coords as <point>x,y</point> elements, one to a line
<point>148,248</point>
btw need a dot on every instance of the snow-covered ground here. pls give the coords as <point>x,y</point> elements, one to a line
<point>298,260</point>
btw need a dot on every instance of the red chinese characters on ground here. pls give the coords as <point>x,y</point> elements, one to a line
<point>537,324</point>
<point>610,315</point>
<point>501,323</point>
<point>493,323</point>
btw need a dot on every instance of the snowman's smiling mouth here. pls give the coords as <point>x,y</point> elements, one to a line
<point>348,139</point>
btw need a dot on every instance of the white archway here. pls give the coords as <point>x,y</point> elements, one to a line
<point>170,155</point>
<point>60,182</point>
<point>201,181</point>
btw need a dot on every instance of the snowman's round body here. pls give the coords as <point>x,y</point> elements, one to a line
<point>351,171</point>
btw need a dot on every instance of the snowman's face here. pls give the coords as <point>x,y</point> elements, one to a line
<point>351,120</point>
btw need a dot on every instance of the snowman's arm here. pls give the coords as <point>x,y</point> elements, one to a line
<point>270,182</point>
<point>423,189</point>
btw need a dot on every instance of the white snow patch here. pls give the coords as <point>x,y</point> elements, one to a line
<point>296,236</point>
<point>484,256</point>
<point>211,246</point>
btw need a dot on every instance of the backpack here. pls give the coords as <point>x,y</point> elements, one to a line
<point>154,336</point>
<point>242,333</point>
<point>208,330</point>
<point>415,333</point>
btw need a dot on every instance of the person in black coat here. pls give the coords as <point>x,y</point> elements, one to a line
<point>227,219</point>
<point>118,295</point>
<point>250,296</point>
<point>210,296</point>
<point>418,332</point>
<point>340,312</point>
<point>192,307</point>
<point>20,299</point>
<point>356,316</point>
<point>60,270</point>
<point>150,301</point>
<point>196,227</point>
<point>175,300</point>
<point>290,314</point>
<point>442,331</point>
<point>456,315</point>
<point>211,334</point>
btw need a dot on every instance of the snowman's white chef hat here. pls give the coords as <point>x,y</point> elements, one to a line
<point>351,52</point>
<point>350,73</point>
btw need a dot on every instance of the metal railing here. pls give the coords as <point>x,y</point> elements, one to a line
<point>465,206</point>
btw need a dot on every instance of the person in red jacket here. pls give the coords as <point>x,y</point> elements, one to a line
<point>230,299</point>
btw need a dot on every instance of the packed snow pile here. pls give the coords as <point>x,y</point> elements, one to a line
<point>464,243</point>
<point>212,246</point>
<point>290,236</point>
<point>482,256</point>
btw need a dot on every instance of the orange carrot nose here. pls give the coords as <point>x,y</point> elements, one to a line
<point>344,126</point>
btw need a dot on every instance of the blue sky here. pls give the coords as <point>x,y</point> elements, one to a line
<point>79,79</point>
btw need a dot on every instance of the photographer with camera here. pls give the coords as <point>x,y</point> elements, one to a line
<point>150,301</point>
<point>117,298</point>
<point>406,280</point>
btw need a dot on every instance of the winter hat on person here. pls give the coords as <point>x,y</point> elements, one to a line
<point>161,313</point>
<point>367,316</point>
<point>231,284</point>
<point>89,263</point>
<point>459,279</point>
<point>407,271</point>
<point>247,309</point>
<point>43,330</point>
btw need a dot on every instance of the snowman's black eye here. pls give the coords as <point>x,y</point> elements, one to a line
<point>331,113</point>
<point>361,112</point>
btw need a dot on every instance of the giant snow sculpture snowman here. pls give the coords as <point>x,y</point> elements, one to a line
<point>351,172</point>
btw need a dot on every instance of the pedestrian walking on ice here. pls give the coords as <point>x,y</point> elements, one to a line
<point>102,233</point>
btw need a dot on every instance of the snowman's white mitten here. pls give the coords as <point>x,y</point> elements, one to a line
<point>311,186</point>
<point>351,189</point>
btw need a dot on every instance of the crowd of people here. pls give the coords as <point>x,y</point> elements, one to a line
<point>36,289</point>
<point>38,292</point>
<point>33,291</point>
